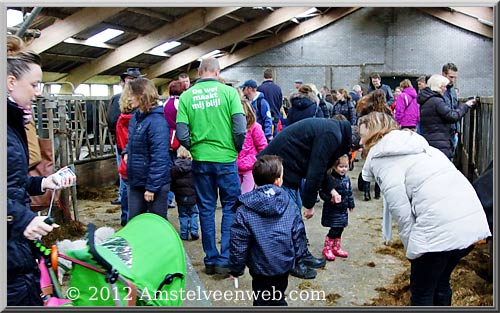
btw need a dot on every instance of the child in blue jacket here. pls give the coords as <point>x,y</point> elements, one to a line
<point>267,233</point>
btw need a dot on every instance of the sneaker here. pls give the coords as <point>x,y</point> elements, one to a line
<point>195,236</point>
<point>116,202</point>
<point>303,272</point>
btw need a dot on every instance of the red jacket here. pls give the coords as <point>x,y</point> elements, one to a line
<point>122,139</point>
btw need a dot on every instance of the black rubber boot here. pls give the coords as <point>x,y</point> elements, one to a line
<point>377,191</point>
<point>366,189</point>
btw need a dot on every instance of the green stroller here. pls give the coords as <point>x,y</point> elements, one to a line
<point>143,264</point>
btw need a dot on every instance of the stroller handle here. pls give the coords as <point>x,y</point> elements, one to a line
<point>112,275</point>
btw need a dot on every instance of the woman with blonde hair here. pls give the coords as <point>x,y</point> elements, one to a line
<point>146,153</point>
<point>436,228</point>
<point>437,117</point>
<point>255,142</point>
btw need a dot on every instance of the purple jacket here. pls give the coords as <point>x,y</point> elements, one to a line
<point>407,110</point>
<point>255,142</point>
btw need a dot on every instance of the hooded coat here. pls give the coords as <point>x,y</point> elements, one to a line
<point>267,233</point>
<point>335,214</point>
<point>437,120</point>
<point>182,182</point>
<point>411,174</point>
<point>407,110</point>
<point>303,106</point>
<point>308,149</point>
<point>255,142</point>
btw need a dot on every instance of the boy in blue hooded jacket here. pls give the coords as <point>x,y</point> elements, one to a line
<point>267,234</point>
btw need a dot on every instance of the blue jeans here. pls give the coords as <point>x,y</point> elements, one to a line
<point>430,277</point>
<point>124,204</point>
<point>122,182</point>
<point>137,204</point>
<point>173,157</point>
<point>211,179</point>
<point>188,220</point>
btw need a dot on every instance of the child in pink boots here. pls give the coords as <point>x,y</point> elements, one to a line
<point>336,192</point>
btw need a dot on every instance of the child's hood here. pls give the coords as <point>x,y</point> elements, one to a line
<point>183,165</point>
<point>266,200</point>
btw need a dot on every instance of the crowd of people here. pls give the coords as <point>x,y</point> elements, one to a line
<point>268,166</point>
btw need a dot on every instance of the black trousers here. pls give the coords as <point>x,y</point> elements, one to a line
<point>335,232</point>
<point>269,290</point>
<point>430,277</point>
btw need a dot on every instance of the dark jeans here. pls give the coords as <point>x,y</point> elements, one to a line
<point>335,232</point>
<point>124,202</point>
<point>137,204</point>
<point>430,277</point>
<point>210,180</point>
<point>274,287</point>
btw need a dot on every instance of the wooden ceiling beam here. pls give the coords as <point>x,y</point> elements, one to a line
<point>460,20</point>
<point>150,13</point>
<point>237,34</point>
<point>485,13</point>
<point>184,26</point>
<point>73,24</point>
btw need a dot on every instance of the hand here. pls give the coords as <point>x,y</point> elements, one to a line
<point>351,209</point>
<point>125,157</point>
<point>308,213</point>
<point>336,197</point>
<point>149,196</point>
<point>38,228</point>
<point>58,181</point>
<point>470,103</point>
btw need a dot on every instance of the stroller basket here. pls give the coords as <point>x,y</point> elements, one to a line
<point>141,264</point>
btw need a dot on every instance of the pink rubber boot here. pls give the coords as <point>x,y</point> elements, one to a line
<point>337,249</point>
<point>328,249</point>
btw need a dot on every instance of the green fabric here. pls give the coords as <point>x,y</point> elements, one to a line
<point>155,249</point>
<point>207,108</point>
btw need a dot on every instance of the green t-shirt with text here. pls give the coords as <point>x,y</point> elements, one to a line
<point>207,108</point>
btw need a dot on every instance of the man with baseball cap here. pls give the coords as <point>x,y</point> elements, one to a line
<point>112,115</point>
<point>260,106</point>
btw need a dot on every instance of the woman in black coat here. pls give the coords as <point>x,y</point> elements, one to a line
<point>304,104</point>
<point>437,117</point>
<point>24,74</point>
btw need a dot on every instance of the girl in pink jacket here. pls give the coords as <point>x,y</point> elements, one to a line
<point>255,142</point>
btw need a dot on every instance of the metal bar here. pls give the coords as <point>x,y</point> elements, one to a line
<point>34,13</point>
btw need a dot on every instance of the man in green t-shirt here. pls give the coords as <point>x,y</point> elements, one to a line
<point>212,125</point>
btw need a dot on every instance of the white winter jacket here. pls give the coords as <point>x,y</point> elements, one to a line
<point>434,205</point>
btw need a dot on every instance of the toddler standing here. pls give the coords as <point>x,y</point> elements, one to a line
<point>336,193</point>
<point>185,194</point>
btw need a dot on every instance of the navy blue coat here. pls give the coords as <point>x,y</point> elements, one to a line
<point>303,106</point>
<point>335,214</point>
<point>267,233</point>
<point>346,108</point>
<point>308,149</point>
<point>148,163</point>
<point>182,182</point>
<point>273,95</point>
<point>22,271</point>
<point>389,98</point>
<point>437,120</point>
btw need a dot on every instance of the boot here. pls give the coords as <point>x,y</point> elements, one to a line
<point>337,249</point>
<point>367,191</point>
<point>313,262</point>
<point>327,250</point>
<point>302,271</point>
<point>377,191</point>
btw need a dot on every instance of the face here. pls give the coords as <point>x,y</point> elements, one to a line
<point>25,88</point>
<point>134,101</point>
<point>397,92</point>
<point>298,85</point>
<point>342,168</point>
<point>451,75</point>
<point>443,89</point>
<point>421,85</point>
<point>339,96</point>
<point>363,132</point>
<point>376,82</point>
<point>246,92</point>
<point>185,81</point>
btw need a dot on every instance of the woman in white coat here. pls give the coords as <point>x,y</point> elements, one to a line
<point>438,213</point>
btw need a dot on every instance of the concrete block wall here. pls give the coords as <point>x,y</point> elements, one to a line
<point>390,41</point>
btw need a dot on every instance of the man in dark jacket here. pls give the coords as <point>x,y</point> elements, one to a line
<point>309,148</point>
<point>376,83</point>
<point>267,234</point>
<point>112,115</point>
<point>273,95</point>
